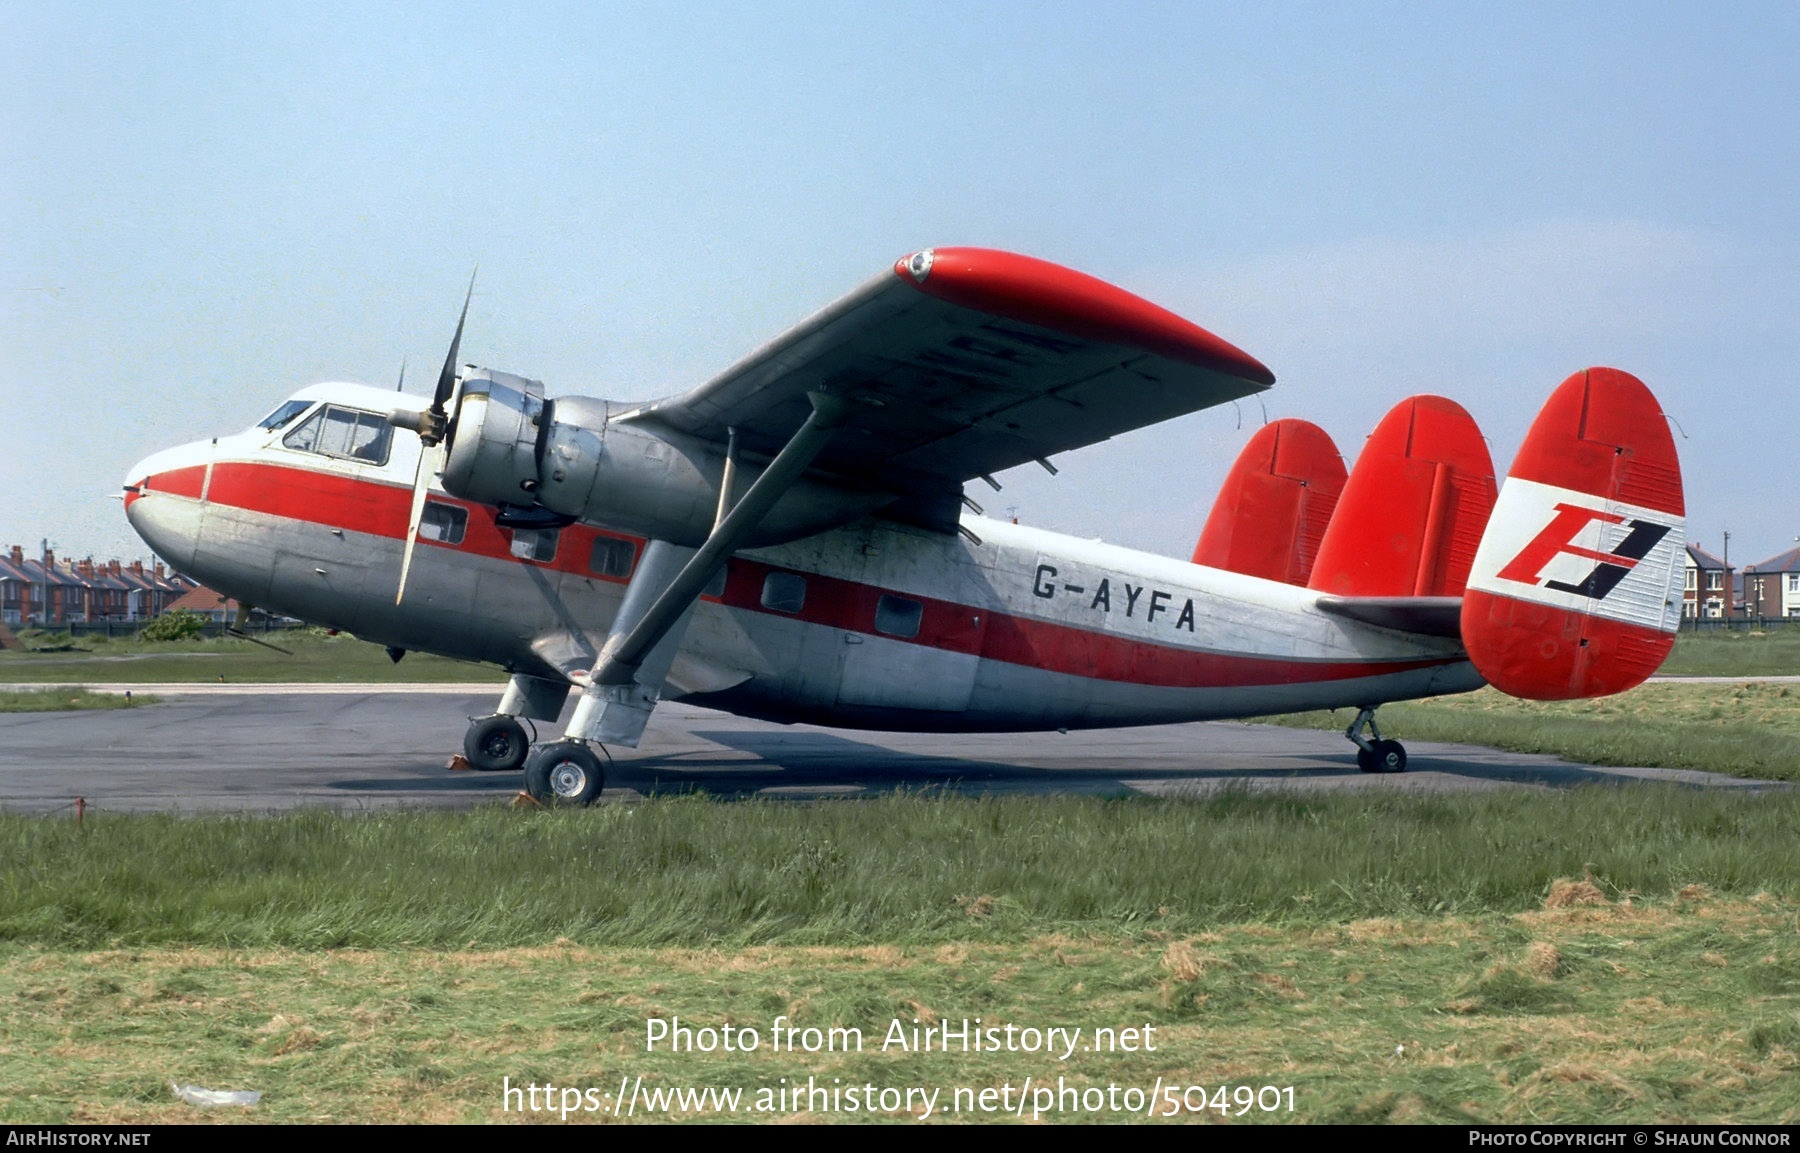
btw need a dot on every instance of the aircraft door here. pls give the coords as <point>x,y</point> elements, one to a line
<point>919,655</point>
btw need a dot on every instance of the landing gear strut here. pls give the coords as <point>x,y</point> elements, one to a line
<point>496,744</point>
<point>564,773</point>
<point>1377,755</point>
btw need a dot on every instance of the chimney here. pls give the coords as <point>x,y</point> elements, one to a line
<point>159,569</point>
<point>18,555</point>
<point>49,558</point>
<point>137,566</point>
<point>113,567</point>
<point>87,568</point>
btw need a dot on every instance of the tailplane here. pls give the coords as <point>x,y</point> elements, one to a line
<point>1576,589</point>
<point>1271,514</point>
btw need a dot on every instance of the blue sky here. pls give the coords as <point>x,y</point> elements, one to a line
<point>208,207</point>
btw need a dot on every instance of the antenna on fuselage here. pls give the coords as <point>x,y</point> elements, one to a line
<point>401,387</point>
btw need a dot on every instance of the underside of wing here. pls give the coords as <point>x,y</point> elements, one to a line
<point>966,361</point>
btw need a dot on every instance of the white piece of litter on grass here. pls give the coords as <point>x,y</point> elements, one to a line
<point>207,1098</point>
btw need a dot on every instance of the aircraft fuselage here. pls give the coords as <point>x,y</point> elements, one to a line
<point>873,625</point>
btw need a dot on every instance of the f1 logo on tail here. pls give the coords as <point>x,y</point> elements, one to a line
<point>1558,537</point>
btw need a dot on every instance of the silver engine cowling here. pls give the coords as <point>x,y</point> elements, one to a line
<point>573,457</point>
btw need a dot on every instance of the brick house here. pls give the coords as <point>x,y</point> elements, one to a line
<point>1772,587</point>
<point>1706,591</point>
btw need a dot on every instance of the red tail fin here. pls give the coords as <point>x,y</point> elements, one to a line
<point>1413,509</point>
<point>1271,514</point>
<point>1576,590</point>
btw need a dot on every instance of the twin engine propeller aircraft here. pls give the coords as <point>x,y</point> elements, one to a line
<point>792,541</point>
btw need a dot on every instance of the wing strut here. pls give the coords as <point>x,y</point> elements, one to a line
<point>615,705</point>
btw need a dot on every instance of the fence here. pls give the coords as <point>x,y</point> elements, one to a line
<point>1737,623</point>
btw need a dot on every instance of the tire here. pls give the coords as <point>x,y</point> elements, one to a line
<point>1365,760</point>
<point>564,773</point>
<point>1390,757</point>
<point>496,744</point>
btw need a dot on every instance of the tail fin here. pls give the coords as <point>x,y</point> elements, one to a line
<point>1271,514</point>
<point>1413,509</point>
<point>1576,590</point>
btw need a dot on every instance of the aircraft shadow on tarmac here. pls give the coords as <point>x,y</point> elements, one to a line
<point>806,764</point>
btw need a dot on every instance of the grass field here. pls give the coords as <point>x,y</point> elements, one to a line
<point>1614,955</point>
<point>1736,653</point>
<point>64,700</point>
<point>1745,729</point>
<point>1597,955</point>
<point>314,658</point>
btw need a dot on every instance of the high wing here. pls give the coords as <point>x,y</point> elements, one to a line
<point>966,361</point>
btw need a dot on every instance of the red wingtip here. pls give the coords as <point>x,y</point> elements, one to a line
<point>1037,292</point>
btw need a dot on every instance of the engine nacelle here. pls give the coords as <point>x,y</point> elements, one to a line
<point>573,457</point>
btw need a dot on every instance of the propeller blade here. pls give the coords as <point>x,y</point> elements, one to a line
<point>447,378</point>
<point>431,462</point>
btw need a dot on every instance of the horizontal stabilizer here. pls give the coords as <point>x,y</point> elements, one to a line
<point>1431,616</point>
<point>1271,513</point>
<point>1576,591</point>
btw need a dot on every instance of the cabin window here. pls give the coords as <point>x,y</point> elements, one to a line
<point>343,432</point>
<point>283,415</point>
<point>785,592</point>
<point>537,544</point>
<point>612,557</point>
<point>897,616</point>
<point>443,522</point>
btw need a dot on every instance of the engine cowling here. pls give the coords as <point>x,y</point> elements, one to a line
<point>572,456</point>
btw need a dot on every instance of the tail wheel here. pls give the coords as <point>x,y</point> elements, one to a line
<point>1382,757</point>
<point>496,744</point>
<point>564,773</point>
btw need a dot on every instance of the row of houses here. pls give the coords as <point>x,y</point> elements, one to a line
<point>1769,588</point>
<point>45,591</point>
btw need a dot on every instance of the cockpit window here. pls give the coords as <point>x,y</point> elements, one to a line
<point>345,432</point>
<point>288,411</point>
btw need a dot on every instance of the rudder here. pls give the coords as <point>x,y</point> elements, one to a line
<point>1576,589</point>
<point>1412,513</point>
<point>1271,513</point>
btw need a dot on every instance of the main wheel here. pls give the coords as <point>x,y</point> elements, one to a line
<point>1390,757</point>
<point>496,744</point>
<point>564,773</point>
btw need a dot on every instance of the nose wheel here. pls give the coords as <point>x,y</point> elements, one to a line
<point>1373,754</point>
<point>496,744</point>
<point>564,773</point>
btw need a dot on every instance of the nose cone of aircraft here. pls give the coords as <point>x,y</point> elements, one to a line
<point>162,500</point>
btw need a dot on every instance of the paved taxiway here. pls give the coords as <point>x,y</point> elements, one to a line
<point>260,748</point>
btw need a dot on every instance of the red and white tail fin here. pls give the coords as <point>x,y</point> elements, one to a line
<point>1271,514</point>
<point>1576,591</point>
<point>1413,510</point>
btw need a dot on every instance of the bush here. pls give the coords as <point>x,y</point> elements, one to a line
<point>178,625</point>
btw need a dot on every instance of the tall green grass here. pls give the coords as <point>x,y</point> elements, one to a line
<point>901,869</point>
